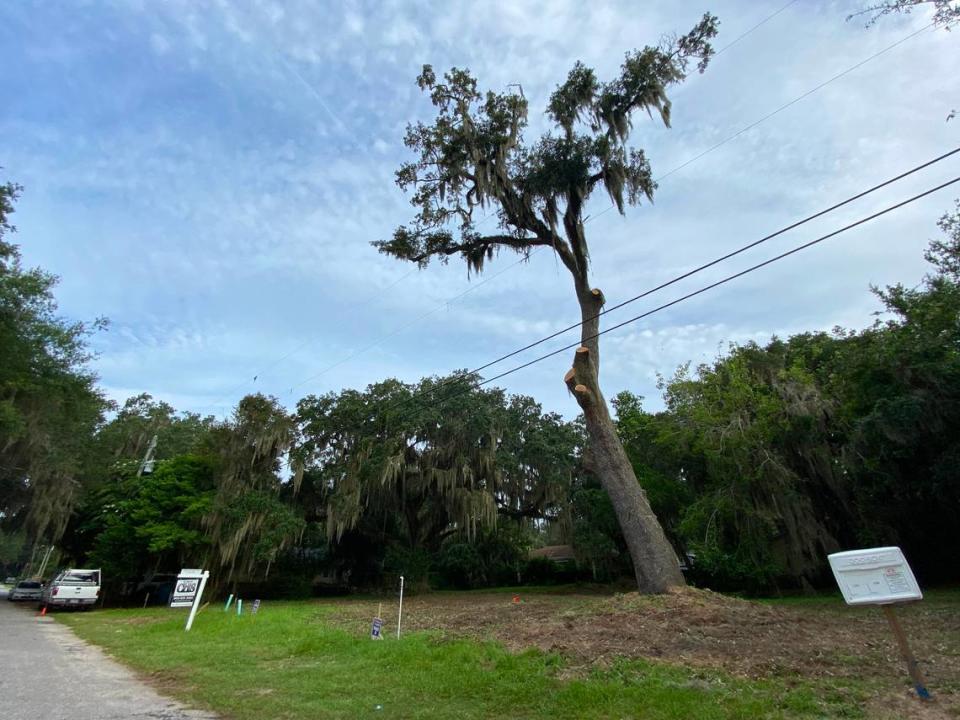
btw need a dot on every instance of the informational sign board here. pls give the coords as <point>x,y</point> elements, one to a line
<point>376,628</point>
<point>875,576</point>
<point>185,590</point>
<point>256,606</point>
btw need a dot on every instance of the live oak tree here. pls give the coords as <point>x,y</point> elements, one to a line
<point>433,471</point>
<point>474,155</point>
<point>248,525</point>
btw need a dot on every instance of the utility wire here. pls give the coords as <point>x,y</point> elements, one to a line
<point>727,279</point>
<point>301,346</point>
<point>695,293</point>
<point>741,36</point>
<point>400,329</point>
<point>709,264</point>
<point>805,95</point>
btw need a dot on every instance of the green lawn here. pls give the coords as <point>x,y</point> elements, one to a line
<point>290,662</point>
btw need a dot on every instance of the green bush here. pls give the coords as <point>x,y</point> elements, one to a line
<point>460,566</point>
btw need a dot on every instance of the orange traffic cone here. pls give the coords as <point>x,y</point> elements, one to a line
<point>516,599</point>
<point>43,611</point>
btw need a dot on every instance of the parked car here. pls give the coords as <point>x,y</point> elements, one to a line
<point>25,590</point>
<point>73,588</point>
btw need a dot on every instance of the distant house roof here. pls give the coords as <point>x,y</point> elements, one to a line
<point>557,553</point>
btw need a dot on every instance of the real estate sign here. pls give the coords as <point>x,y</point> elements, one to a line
<point>185,590</point>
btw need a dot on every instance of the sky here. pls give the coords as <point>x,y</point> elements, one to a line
<point>208,175</point>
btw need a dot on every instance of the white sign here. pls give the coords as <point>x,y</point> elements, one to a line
<point>185,589</point>
<point>876,576</point>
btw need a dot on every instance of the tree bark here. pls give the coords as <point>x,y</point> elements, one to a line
<point>655,562</point>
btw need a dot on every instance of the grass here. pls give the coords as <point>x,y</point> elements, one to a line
<point>289,662</point>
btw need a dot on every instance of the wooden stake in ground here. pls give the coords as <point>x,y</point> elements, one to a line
<point>913,667</point>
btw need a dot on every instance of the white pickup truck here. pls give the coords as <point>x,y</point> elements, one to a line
<point>72,588</point>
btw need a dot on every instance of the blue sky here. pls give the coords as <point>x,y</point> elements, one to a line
<point>208,175</point>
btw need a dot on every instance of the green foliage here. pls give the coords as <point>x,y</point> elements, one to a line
<point>596,535</point>
<point>498,557</point>
<point>393,463</point>
<point>248,524</point>
<point>49,404</point>
<point>461,566</point>
<point>137,524</point>
<point>474,155</point>
<point>128,434</point>
<point>781,454</point>
<point>11,550</point>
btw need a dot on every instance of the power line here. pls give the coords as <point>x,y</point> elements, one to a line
<point>257,373</point>
<point>476,385</point>
<point>711,263</point>
<point>805,95</point>
<point>727,279</point>
<point>740,37</point>
<point>695,293</point>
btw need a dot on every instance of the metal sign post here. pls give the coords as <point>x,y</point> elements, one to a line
<point>881,576</point>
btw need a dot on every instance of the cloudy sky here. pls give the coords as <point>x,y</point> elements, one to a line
<point>208,176</point>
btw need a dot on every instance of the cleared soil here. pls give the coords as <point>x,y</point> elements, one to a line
<point>817,640</point>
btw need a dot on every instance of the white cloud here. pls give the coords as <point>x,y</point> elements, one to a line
<point>159,44</point>
<point>210,176</point>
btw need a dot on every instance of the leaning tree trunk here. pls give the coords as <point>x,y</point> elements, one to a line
<point>654,560</point>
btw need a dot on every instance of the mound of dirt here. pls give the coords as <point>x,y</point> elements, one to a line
<point>696,628</point>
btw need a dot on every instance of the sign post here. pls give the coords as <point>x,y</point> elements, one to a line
<point>188,591</point>
<point>881,576</point>
<point>400,612</point>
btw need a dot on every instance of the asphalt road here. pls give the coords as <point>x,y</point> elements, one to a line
<point>47,673</point>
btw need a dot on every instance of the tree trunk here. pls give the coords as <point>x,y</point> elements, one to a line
<point>654,560</point>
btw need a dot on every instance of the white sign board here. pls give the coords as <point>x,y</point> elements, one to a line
<point>185,590</point>
<point>876,576</point>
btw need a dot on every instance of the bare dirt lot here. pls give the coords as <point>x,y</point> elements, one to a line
<point>806,639</point>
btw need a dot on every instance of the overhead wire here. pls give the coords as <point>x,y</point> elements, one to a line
<point>715,261</point>
<point>467,387</point>
<point>727,279</point>
<point>704,289</point>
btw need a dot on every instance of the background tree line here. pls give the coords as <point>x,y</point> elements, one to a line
<point>759,464</point>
